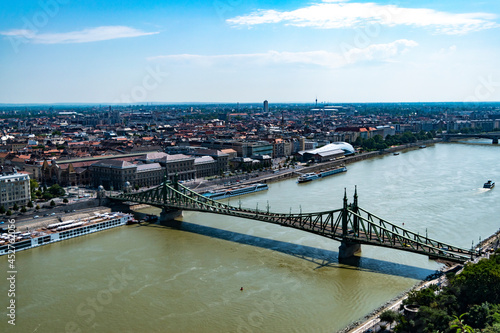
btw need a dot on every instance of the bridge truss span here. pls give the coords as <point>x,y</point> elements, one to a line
<point>373,229</point>
<point>349,224</point>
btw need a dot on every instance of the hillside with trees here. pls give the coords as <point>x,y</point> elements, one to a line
<point>470,302</point>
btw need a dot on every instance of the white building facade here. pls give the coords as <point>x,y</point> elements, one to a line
<point>14,189</point>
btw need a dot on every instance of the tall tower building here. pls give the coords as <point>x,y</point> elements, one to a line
<point>266,106</point>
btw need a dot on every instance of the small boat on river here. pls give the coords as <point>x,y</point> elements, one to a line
<point>489,184</point>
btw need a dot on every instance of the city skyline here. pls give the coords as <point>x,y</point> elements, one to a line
<point>58,51</point>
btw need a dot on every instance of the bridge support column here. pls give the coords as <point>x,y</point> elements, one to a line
<point>167,218</point>
<point>495,141</point>
<point>348,249</point>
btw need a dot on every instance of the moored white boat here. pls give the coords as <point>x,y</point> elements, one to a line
<point>307,177</point>
<point>60,231</point>
<point>231,192</point>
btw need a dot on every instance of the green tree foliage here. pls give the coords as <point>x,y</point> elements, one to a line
<point>459,325</point>
<point>65,200</point>
<point>471,302</point>
<point>23,209</point>
<point>2,210</point>
<point>52,203</point>
<point>378,142</point>
<point>495,328</point>
<point>389,316</point>
<point>33,188</point>
<point>422,297</point>
<point>30,204</point>
<point>33,185</point>
<point>9,213</point>
<point>56,190</point>
<point>480,283</point>
<point>15,207</point>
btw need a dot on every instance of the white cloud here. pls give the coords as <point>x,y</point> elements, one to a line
<point>374,52</point>
<point>380,51</point>
<point>25,33</point>
<point>82,36</point>
<point>320,58</point>
<point>339,14</point>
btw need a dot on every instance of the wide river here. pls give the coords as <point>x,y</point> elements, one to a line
<point>156,279</point>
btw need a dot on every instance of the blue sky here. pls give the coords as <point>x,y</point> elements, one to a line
<point>65,51</point>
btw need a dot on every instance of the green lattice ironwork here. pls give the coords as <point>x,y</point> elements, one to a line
<point>349,224</point>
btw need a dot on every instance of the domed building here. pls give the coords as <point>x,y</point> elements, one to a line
<point>328,152</point>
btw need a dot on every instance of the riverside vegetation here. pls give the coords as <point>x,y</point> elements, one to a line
<point>470,302</point>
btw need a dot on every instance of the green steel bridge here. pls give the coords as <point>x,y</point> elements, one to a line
<point>351,225</point>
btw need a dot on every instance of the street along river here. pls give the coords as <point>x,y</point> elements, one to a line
<point>222,274</point>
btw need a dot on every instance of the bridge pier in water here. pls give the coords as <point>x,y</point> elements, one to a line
<point>167,218</point>
<point>348,249</point>
<point>495,141</point>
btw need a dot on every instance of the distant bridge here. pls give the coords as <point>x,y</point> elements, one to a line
<point>350,225</point>
<point>493,136</point>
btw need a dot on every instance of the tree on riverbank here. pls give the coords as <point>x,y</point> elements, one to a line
<point>378,142</point>
<point>472,297</point>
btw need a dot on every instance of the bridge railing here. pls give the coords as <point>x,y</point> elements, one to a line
<point>373,228</point>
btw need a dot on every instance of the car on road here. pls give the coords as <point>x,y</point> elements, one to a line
<point>36,216</point>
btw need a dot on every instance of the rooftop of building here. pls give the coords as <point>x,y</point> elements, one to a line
<point>115,164</point>
<point>148,167</point>
<point>203,159</point>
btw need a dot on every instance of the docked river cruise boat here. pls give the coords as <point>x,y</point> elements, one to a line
<point>16,241</point>
<point>489,184</point>
<point>231,192</point>
<point>307,177</point>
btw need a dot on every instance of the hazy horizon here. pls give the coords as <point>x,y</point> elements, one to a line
<point>106,105</point>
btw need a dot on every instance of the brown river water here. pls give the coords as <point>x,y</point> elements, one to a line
<point>156,279</point>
